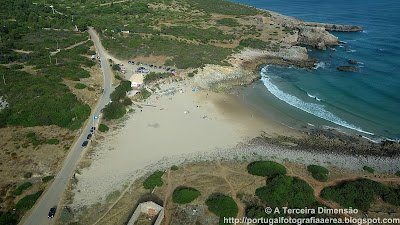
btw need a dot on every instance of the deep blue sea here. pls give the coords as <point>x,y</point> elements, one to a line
<point>366,102</point>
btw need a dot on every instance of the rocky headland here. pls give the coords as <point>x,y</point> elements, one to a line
<point>245,65</point>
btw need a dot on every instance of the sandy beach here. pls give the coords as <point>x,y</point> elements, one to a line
<point>186,122</point>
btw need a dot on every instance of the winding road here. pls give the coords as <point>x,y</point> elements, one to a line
<point>54,194</point>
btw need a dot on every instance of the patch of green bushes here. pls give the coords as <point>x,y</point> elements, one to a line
<point>265,168</point>
<point>222,206</point>
<point>80,86</point>
<point>284,190</point>
<point>103,128</point>
<point>318,172</point>
<point>368,169</point>
<point>28,175</point>
<point>174,168</point>
<point>230,22</point>
<point>397,173</point>
<point>21,188</point>
<point>254,43</point>
<point>47,179</point>
<point>7,218</point>
<point>53,141</point>
<point>361,194</point>
<point>27,202</point>
<point>154,180</point>
<point>184,195</point>
<point>66,215</point>
<point>152,76</point>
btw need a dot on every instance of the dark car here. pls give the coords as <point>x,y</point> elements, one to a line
<point>168,69</point>
<point>84,144</point>
<point>92,129</point>
<point>52,212</point>
<point>151,66</point>
<point>89,136</point>
<point>173,71</point>
<point>159,67</point>
<point>137,64</point>
<point>164,67</point>
<point>133,63</point>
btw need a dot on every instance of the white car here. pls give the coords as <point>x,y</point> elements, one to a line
<point>145,70</point>
<point>120,64</point>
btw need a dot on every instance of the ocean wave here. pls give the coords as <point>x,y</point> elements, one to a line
<point>311,108</point>
<point>319,65</point>
<point>313,96</point>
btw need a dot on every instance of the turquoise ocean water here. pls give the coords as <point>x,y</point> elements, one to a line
<point>366,102</point>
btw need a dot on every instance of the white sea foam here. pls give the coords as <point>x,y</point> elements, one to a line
<point>3,103</point>
<point>314,97</point>
<point>320,65</point>
<point>312,108</point>
<point>351,50</point>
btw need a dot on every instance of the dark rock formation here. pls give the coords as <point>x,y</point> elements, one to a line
<point>330,55</point>
<point>347,68</point>
<point>353,61</point>
<point>337,27</point>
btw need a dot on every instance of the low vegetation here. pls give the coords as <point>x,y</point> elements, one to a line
<point>152,76</point>
<point>222,206</point>
<point>397,173</point>
<point>103,128</point>
<point>265,168</point>
<point>230,22</point>
<point>318,172</point>
<point>80,86</point>
<point>21,188</point>
<point>27,202</point>
<point>289,191</point>
<point>368,169</point>
<point>184,195</point>
<point>47,179</point>
<point>174,168</point>
<point>154,180</point>
<point>117,108</point>
<point>361,194</point>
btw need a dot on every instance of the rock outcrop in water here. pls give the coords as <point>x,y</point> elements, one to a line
<point>353,61</point>
<point>347,68</point>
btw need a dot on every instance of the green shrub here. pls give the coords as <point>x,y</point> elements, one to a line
<point>9,219</point>
<point>145,93</point>
<point>317,169</point>
<point>53,141</point>
<point>230,22</point>
<point>27,202</point>
<point>191,74</point>
<point>361,194</point>
<point>80,86</point>
<point>35,142</point>
<point>174,167</point>
<point>283,190</point>
<point>183,195</point>
<point>169,62</point>
<point>127,101</point>
<point>152,76</point>
<point>21,188</point>
<point>118,77</point>
<point>368,169</point>
<point>253,43</point>
<point>222,206</point>
<point>30,135</point>
<point>397,173</point>
<point>28,175</point>
<point>114,110</point>
<point>47,179</point>
<point>320,177</point>
<point>154,180</point>
<point>265,168</point>
<point>66,215</point>
<point>90,89</point>
<point>116,67</point>
<point>103,128</point>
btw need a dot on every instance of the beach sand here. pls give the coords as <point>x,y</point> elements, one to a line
<point>173,125</point>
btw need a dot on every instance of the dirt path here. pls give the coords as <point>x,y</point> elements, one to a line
<point>168,194</point>
<point>232,190</point>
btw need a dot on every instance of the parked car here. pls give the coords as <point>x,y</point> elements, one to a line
<point>151,66</point>
<point>173,71</point>
<point>93,128</point>
<point>129,62</point>
<point>89,136</point>
<point>137,64</point>
<point>133,63</point>
<point>145,70</point>
<point>84,144</point>
<point>52,212</point>
<point>120,64</point>
<point>168,69</point>
<point>164,67</point>
<point>159,67</point>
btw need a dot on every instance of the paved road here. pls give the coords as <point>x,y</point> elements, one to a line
<point>53,196</point>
